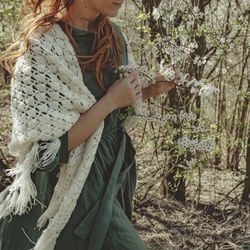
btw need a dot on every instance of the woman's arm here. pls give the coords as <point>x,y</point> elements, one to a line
<point>89,121</point>
<point>122,93</point>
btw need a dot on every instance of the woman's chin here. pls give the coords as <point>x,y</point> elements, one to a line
<point>111,13</point>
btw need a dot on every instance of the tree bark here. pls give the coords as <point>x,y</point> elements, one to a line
<point>235,129</point>
<point>246,190</point>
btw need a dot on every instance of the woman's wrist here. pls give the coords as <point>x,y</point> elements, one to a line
<point>108,102</point>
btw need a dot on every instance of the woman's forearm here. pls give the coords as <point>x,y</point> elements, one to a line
<point>158,88</point>
<point>89,121</point>
<point>122,93</point>
<point>148,92</point>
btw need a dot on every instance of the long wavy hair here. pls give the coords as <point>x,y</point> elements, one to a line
<point>105,50</point>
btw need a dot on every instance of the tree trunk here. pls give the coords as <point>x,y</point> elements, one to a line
<point>170,186</point>
<point>246,190</point>
<point>234,153</point>
<point>240,134</point>
<point>241,126</point>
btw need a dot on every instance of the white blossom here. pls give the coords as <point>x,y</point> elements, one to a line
<point>211,64</point>
<point>191,163</point>
<point>237,27</point>
<point>156,13</point>
<point>193,90</point>
<point>222,40</point>
<point>169,74</point>
<point>208,90</point>
<point>224,71</point>
<point>231,45</point>
<point>219,52</point>
<point>196,59</point>
<point>201,128</point>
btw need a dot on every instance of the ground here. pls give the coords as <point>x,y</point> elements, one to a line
<point>168,224</point>
<point>216,221</point>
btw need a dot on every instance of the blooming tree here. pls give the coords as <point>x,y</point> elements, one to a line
<point>199,39</point>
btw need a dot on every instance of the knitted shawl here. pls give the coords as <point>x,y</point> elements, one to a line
<point>48,95</point>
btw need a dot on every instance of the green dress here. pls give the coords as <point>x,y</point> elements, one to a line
<point>102,216</point>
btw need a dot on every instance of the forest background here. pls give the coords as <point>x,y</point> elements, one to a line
<point>193,144</point>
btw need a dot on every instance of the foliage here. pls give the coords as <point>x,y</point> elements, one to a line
<point>8,16</point>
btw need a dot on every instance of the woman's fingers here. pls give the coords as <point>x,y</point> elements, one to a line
<point>139,94</point>
<point>138,90</point>
<point>133,76</point>
<point>138,86</point>
<point>135,85</point>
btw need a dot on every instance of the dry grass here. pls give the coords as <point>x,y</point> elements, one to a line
<point>213,218</point>
<point>167,224</point>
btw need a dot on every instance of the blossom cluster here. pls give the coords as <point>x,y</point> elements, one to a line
<point>185,143</point>
<point>187,116</point>
<point>179,44</point>
<point>175,52</point>
<point>208,90</point>
<point>145,76</point>
<point>202,88</point>
<point>167,11</point>
<point>191,163</point>
<point>169,74</point>
<point>159,117</point>
<point>181,118</point>
<point>189,134</point>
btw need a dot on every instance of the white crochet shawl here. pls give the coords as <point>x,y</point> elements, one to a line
<point>48,95</point>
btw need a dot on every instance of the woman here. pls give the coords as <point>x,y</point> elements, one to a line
<point>76,172</point>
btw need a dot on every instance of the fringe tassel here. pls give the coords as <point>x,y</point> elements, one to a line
<point>4,209</point>
<point>50,150</point>
<point>20,196</point>
<point>16,198</point>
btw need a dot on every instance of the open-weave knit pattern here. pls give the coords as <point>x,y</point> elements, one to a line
<point>48,95</point>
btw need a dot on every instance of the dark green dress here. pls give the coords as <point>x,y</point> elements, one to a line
<point>102,216</point>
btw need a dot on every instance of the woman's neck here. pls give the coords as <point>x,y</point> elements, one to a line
<point>82,15</point>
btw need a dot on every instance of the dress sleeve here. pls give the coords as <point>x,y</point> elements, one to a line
<point>61,157</point>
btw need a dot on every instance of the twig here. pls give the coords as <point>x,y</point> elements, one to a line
<point>227,195</point>
<point>7,163</point>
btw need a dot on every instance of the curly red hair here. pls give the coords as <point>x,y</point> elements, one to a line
<point>106,48</point>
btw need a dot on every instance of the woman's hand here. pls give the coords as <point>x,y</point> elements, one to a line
<point>161,86</point>
<point>125,92</point>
